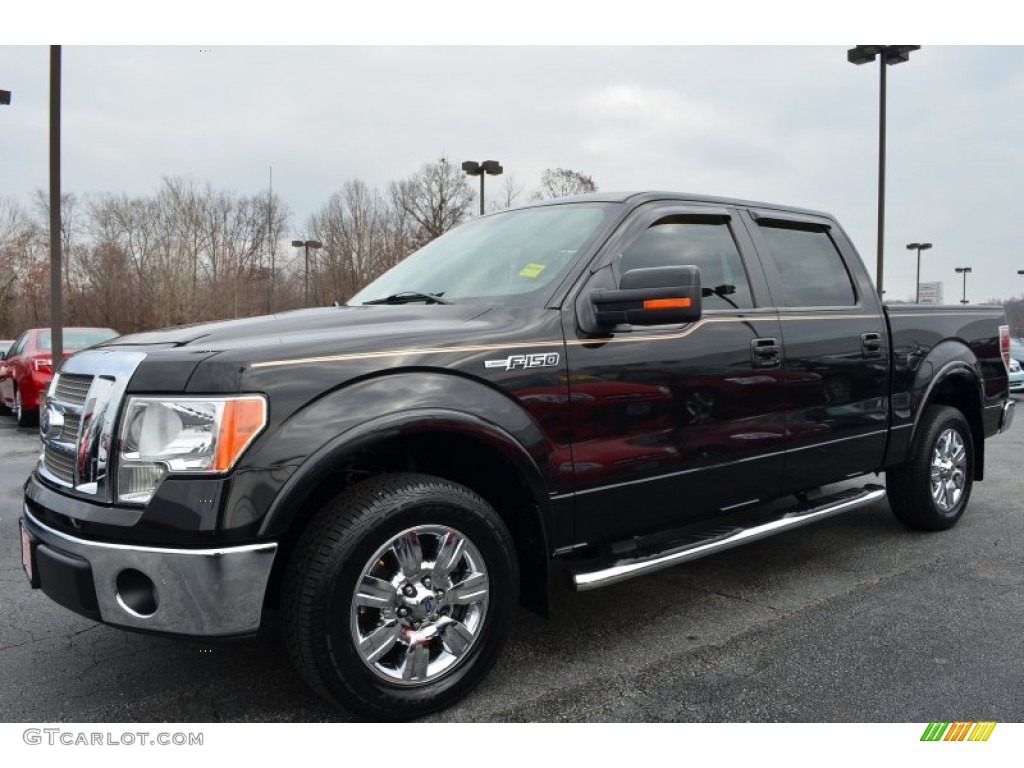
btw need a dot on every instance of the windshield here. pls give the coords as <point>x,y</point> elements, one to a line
<point>512,255</point>
<point>78,338</point>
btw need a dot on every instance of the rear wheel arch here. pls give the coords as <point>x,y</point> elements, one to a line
<point>931,489</point>
<point>957,385</point>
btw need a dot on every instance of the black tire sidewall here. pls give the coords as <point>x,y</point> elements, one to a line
<point>23,416</point>
<point>348,676</point>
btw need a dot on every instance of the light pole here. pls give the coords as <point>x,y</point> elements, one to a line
<point>920,247</point>
<point>56,254</point>
<point>307,244</point>
<point>963,271</point>
<point>473,168</point>
<point>890,54</point>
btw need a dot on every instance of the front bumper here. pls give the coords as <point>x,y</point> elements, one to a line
<point>192,592</point>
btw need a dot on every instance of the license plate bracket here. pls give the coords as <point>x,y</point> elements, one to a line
<point>27,552</point>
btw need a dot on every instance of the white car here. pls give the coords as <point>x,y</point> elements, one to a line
<point>1016,376</point>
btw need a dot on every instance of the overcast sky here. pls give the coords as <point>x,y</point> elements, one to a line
<point>788,124</point>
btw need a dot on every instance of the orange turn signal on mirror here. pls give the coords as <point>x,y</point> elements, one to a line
<point>681,303</point>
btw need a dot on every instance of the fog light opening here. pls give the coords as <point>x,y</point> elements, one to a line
<point>136,593</point>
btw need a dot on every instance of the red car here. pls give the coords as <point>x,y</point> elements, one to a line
<point>26,368</point>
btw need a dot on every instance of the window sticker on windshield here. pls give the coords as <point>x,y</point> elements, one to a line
<point>532,270</point>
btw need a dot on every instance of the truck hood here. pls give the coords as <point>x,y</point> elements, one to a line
<point>310,326</point>
<point>231,356</point>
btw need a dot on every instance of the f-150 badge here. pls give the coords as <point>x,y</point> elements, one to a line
<point>510,363</point>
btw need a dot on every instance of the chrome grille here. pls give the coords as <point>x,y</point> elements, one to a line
<point>60,465</point>
<point>77,422</point>
<point>72,388</point>
<point>69,432</point>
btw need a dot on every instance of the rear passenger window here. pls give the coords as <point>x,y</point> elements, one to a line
<point>813,272</point>
<point>701,241</point>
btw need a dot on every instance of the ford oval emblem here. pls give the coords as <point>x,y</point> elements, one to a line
<point>52,423</point>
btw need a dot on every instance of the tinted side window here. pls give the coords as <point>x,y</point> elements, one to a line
<point>705,243</point>
<point>813,273</point>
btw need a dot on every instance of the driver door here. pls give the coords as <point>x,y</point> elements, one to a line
<point>675,424</point>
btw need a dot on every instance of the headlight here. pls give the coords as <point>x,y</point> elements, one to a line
<point>196,435</point>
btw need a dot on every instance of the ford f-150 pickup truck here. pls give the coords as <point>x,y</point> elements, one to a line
<point>600,387</point>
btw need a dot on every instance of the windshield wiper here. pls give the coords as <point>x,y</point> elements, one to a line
<point>406,297</point>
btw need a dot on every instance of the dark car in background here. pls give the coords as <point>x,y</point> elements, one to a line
<point>27,367</point>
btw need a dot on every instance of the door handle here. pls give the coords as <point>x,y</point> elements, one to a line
<point>871,344</point>
<point>764,353</point>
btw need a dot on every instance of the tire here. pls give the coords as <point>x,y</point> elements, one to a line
<point>24,417</point>
<point>930,490</point>
<point>399,544</point>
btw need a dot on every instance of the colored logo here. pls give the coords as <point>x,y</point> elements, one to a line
<point>959,731</point>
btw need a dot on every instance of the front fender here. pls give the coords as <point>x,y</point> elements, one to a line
<point>318,438</point>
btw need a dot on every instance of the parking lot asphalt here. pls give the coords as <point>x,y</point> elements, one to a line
<point>854,619</point>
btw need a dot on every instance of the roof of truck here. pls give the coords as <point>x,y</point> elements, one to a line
<point>638,198</point>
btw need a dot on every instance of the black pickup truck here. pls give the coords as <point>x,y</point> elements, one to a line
<point>599,387</point>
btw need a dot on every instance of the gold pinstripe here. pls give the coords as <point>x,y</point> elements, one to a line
<point>551,343</point>
<point>973,316</point>
<point>830,317</point>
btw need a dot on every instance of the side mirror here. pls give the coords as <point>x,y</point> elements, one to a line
<point>652,296</point>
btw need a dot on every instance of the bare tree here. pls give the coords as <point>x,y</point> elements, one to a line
<point>18,254</point>
<point>107,301</point>
<point>275,215</point>
<point>562,182</point>
<point>354,228</point>
<point>243,239</point>
<point>183,202</point>
<point>398,238</point>
<point>132,226</point>
<point>509,194</point>
<point>70,225</point>
<point>437,198</point>
<point>189,252</point>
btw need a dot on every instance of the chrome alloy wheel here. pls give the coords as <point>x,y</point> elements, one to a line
<point>419,605</point>
<point>949,470</point>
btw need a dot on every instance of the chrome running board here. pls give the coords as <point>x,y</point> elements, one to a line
<point>708,544</point>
